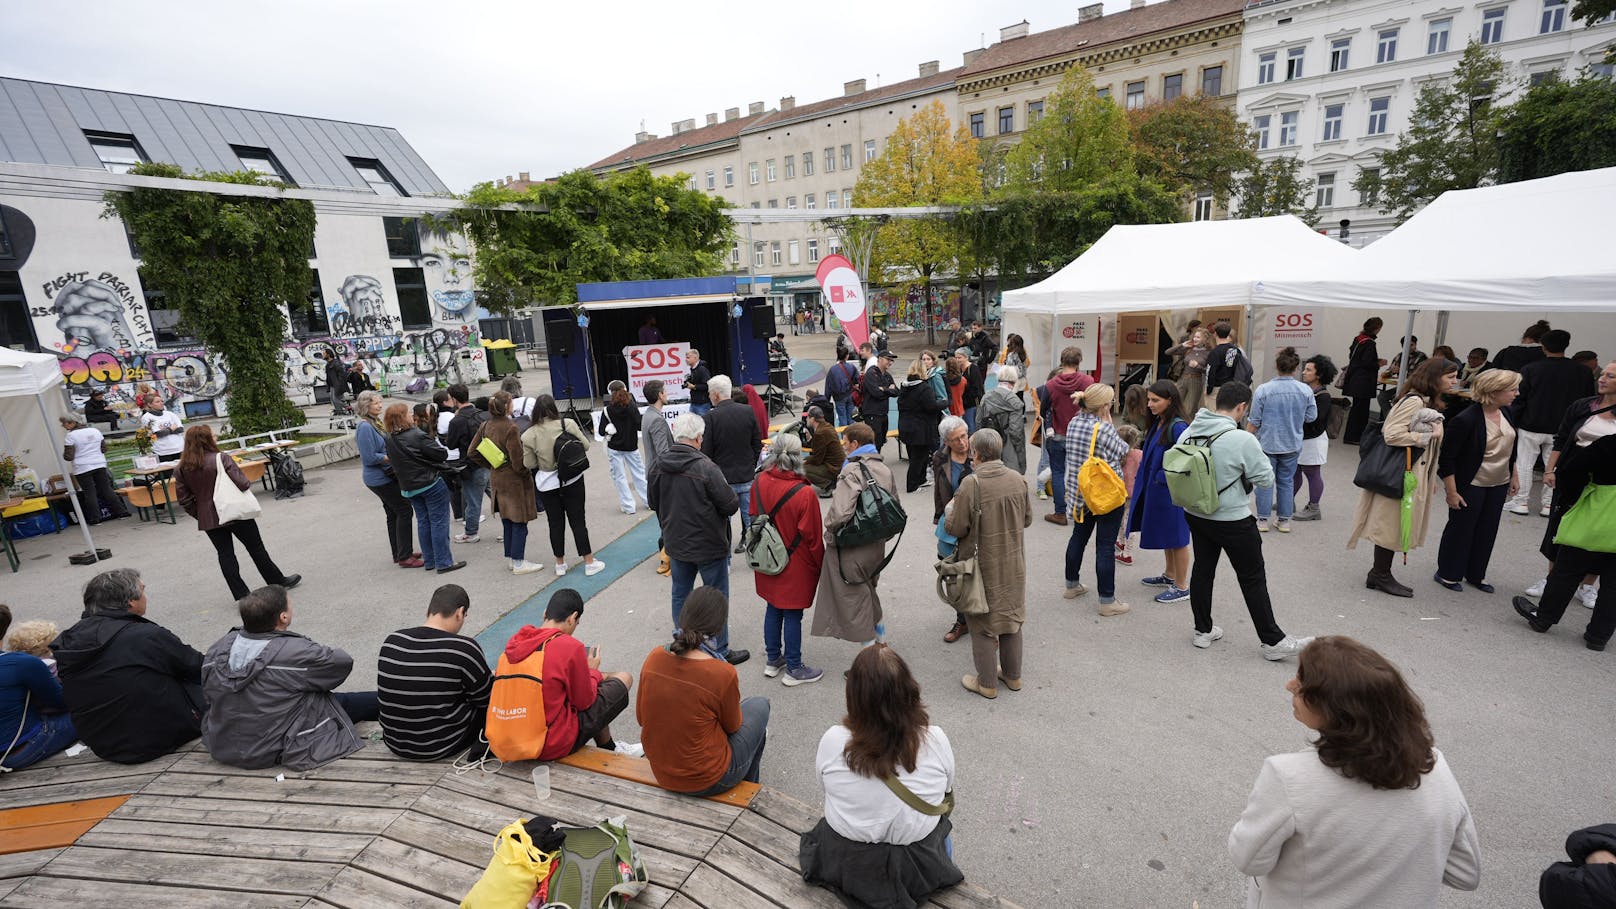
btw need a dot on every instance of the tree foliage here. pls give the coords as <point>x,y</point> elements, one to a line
<point>1080,139</point>
<point>1590,11</point>
<point>1192,144</point>
<point>1276,187</point>
<point>1452,139</point>
<point>228,264</point>
<point>533,247</point>
<point>1557,127</point>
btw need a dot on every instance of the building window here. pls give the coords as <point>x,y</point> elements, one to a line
<point>5,238</point>
<point>791,166</point>
<point>1553,16</point>
<point>978,125</point>
<point>16,325</point>
<point>1287,128</point>
<point>1492,26</point>
<point>830,160</point>
<point>791,203</point>
<point>1602,70</point>
<point>869,150</point>
<point>1371,195</point>
<point>752,173</point>
<point>1265,67</point>
<point>309,319</point>
<point>692,182</point>
<point>1540,77</point>
<point>847,157</point>
<point>774,253</point>
<point>793,257</point>
<point>847,198</point>
<point>757,254</point>
<point>757,204</point>
<point>376,177</point>
<point>770,170</point>
<point>1212,81</point>
<point>1203,207</point>
<point>1386,46</point>
<point>1136,95</point>
<point>712,180</point>
<point>1261,125</point>
<point>830,199</point>
<point>414,311</point>
<point>808,201</point>
<point>807,164</point>
<point>403,237</point>
<point>1324,195</point>
<point>1293,63</point>
<point>1007,120</point>
<point>260,161</point>
<point>729,175</point>
<point>1172,86</point>
<point>735,255</point>
<point>1436,42</point>
<point>118,153</point>
<point>1103,93</point>
<point>1339,49</point>
<point>1332,121</point>
<point>813,250</point>
<point>834,244</point>
<point>1035,112</point>
<point>167,327</point>
<point>774,203</point>
<point>1378,110</point>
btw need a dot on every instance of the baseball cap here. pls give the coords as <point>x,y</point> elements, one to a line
<point>884,354</point>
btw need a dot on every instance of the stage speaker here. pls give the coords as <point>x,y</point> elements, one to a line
<point>558,337</point>
<point>762,323</point>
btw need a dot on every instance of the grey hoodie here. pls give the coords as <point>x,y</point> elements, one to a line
<point>269,701</point>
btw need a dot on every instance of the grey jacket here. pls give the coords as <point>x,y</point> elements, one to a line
<point>656,436</point>
<point>269,701</point>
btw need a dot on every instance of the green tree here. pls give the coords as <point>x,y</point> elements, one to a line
<point>1558,127</point>
<point>1192,144</point>
<point>1276,187</point>
<point>1080,139</point>
<point>926,162</point>
<point>532,248</point>
<point>229,264</point>
<point>1590,11</point>
<point>1452,139</point>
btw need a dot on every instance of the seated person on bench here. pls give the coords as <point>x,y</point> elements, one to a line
<point>33,718</point>
<point>433,682</point>
<point>825,452</point>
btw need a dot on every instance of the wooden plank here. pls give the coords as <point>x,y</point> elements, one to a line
<point>202,872</point>
<point>59,768</point>
<point>638,770</point>
<point>69,792</point>
<point>792,814</point>
<point>666,804</point>
<point>969,896</point>
<point>680,901</point>
<point>345,770</point>
<point>356,889</point>
<point>308,845</point>
<point>57,812</point>
<point>54,892</point>
<point>22,864</point>
<point>419,868</point>
<point>769,838</point>
<point>716,890</point>
<point>306,792</point>
<point>275,815</point>
<point>44,836</point>
<point>774,881</point>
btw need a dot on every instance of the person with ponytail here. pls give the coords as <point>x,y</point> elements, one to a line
<point>698,734</point>
<point>1280,409</point>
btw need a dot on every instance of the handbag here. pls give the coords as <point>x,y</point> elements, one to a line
<point>1038,432</point>
<point>959,585</point>
<point>492,453</point>
<point>1590,524</point>
<point>1381,466</point>
<point>908,797</point>
<point>232,504</point>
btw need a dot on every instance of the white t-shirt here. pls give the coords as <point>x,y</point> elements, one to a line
<point>864,810</point>
<point>171,444</point>
<point>86,445</point>
<point>443,432</point>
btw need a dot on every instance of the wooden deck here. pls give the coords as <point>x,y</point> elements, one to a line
<point>375,831</point>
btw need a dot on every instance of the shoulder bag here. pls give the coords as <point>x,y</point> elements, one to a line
<point>1590,524</point>
<point>959,584</point>
<point>908,797</point>
<point>1381,466</point>
<point>232,504</point>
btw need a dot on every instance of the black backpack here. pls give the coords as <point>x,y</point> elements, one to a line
<point>571,456</point>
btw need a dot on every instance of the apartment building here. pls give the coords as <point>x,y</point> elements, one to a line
<point>1333,82</point>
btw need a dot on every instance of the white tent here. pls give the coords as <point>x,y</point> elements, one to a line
<point>1534,245</point>
<point>29,408</point>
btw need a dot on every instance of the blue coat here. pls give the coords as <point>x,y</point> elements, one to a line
<point>1152,514</point>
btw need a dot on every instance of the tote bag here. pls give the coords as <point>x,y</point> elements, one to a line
<point>231,503</point>
<point>1590,524</point>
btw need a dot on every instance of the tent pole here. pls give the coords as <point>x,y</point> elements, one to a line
<point>1408,344</point>
<point>84,527</point>
<point>1441,329</point>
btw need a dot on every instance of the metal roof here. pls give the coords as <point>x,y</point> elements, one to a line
<point>45,123</point>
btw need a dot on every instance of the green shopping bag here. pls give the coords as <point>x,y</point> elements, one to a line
<point>1591,523</point>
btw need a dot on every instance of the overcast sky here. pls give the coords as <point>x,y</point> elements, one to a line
<point>485,89</point>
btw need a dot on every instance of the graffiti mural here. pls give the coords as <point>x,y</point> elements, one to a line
<point>909,309</point>
<point>362,310</point>
<point>101,313</point>
<point>448,280</point>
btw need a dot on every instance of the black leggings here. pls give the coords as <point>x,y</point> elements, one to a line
<point>247,533</point>
<point>919,463</point>
<point>562,507</point>
<point>400,520</point>
<point>1357,419</point>
<point>95,487</point>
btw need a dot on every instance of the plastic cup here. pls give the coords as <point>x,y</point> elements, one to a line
<point>541,781</point>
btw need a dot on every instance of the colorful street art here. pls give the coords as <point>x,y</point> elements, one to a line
<point>448,279</point>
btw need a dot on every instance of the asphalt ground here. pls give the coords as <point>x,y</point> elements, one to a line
<point>1110,780</point>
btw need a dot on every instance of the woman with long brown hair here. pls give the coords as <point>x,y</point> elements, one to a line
<point>194,479</point>
<point>877,765</point>
<point>1151,512</point>
<point>623,447</point>
<point>418,463</point>
<point>510,484</point>
<point>1371,815</point>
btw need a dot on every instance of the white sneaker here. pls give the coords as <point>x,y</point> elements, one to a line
<point>1262,525</point>
<point>1546,511</point>
<point>593,568</point>
<point>1289,646</point>
<point>561,569</point>
<point>467,538</point>
<point>1519,508</point>
<point>1536,590</point>
<point>1205,640</point>
<point>631,749</point>
<point>523,566</point>
<point>1588,594</point>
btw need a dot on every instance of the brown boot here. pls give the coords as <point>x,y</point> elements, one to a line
<point>955,633</point>
<point>663,568</point>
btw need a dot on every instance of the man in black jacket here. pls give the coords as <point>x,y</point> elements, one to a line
<point>1548,388</point>
<point>733,440</point>
<point>336,379</point>
<point>1227,362</point>
<point>693,501</point>
<point>133,689</point>
<point>879,388</point>
<point>982,349</point>
<point>473,479</point>
<point>975,380</point>
<point>697,383</point>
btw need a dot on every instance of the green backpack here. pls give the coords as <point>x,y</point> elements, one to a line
<point>1191,475</point>
<point>766,550</point>
<point>599,867</point>
<point>877,516</point>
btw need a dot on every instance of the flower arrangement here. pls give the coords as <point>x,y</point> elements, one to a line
<point>9,466</point>
<point>144,438</point>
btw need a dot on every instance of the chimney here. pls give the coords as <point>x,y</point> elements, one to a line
<point>1012,32</point>
<point>733,113</point>
<point>971,55</point>
<point>686,126</point>
<point>712,119</point>
<point>675,127</point>
<point>929,68</point>
<point>1091,12</point>
<point>523,176</point>
<point>856,87</point>
<point>642,136</point>
<point>789,102</point>
<point>755,108</point>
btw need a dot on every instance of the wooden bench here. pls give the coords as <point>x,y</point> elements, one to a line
<point>638,770</point>
<point>255,471</point>
<point>144,498</point>
<point>53,826</point>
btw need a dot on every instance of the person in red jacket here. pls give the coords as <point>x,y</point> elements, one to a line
<point>580,701</point>
<point>782,488</point>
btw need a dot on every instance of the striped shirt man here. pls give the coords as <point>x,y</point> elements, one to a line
<point>433,685</point>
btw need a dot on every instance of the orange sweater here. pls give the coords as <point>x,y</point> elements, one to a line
<point>687,709</point>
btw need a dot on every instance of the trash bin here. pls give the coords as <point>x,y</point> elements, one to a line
<point>502,361</point>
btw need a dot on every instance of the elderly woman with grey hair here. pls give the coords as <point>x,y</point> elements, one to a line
<point>377,473</point>
<point>1003,410</point>
<point>950,465</point>
<point>989,516</point>
<point>782,492</point>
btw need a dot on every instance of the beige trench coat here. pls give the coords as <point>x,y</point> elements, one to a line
<point>1380,518</point>
<point>850,611</point>
<point>996,538</point>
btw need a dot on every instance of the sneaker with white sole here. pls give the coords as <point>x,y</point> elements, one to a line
<point>1159,580</point>
<point>466,538</point>
<point>631,749</point>
<point>593,568</point>
<point>1204,639</point>
<point>772,668</point>
<point>1288,646</point>
<point>1546,511</point>
<point>1173,594</point>
<point>1074,591</point>
<point>1262,525</point>
<point>1519,508</point>
<point>523,566</point>
<point>561,569</point>
<point>802,675</point>
<point>1284,525</point>
<point>1588,594</point>
<point>1536,590</point>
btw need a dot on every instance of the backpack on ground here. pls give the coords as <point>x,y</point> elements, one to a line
<point>766,549</point>
<point>516,728</point>
<point>877,516</point>
<point>597,867</point>
<point>1102,489</point>
<point>571,456</point>
<point>1191,476</point>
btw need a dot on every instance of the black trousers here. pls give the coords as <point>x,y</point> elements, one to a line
<point>452,478</point>
<point>1468,538</point>
<point>95,486</point>
<point>919,463</point>
<point>1357,419</point>
<point>400,520</point>
<point>562,507</point>
<point>1571,565</point>
<point>247,533</point>
<point>1241,540</point>
<point>878,424</point>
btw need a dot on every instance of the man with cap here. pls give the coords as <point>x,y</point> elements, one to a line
<point>974,382</point>
<point>879,388</point>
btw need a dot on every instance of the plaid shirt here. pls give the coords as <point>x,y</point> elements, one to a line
<point>1109,447</point>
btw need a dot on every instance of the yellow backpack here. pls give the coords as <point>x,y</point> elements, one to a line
<point>1103,491</point>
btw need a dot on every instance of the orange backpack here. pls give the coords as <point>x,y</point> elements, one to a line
<point>516,727</point>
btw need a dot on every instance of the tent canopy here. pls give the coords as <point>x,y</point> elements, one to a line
<point>1190,265</point>
<point>1535,245</point>
<point>24,373</point>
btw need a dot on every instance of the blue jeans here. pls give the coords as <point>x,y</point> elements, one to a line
<point>432,525</point>
<point>1284,487</point>
<point>55,733</point>
<point>787,624</point>
<point>473,483</point>
<point>713,574</point>
<point>1057,470</point>
<point>515,539</point>
<point>744,492</point>
<point>970,420</point>
<point>628,475</point>
<point>844,410</point>
<point>745,747</point>
<point>701,409</point>
<point>1104,527</point>
<point>361,706</point>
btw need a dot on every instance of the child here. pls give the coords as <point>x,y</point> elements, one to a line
<point>1134,412</point>
<point>1130,466</point>
<point>34,637</point>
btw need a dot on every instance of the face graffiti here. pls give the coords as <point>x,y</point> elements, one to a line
<point>92,312</point>
<point>448,276</point>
